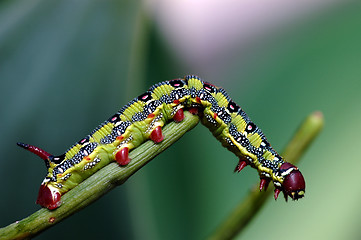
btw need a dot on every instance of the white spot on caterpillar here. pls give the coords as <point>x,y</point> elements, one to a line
<point>152,123</point>
<point>288,171</point>
<point>66,177</point>
<point>175,109</point>
<point>92,163</point>
<point>266,174</point>
<point>122,143</point>
<point>278,184</point>
<point>250,160</point>
<point>46,180</point>
<point>229,141</point>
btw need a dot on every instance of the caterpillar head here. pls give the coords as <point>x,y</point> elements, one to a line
<point>293,184</point>
<point>48,196</point>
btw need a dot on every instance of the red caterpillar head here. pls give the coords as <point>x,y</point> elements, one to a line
<point>293,184</point>
<point>48,196</point>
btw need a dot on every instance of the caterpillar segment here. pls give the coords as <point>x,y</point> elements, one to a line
<point>143,118</point>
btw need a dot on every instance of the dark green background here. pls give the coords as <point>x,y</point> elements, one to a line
<point>66,66</point>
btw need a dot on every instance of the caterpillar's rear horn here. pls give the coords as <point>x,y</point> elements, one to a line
<point>38,151</point>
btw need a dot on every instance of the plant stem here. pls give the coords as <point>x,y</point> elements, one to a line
<point>98,184</point>
<point>248,208</point>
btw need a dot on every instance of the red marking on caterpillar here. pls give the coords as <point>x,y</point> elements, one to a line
<point>263,184</point>
<point>47,198</point>
<point>241,164</point>
<point>38,151</point>
<point>152,115</point>
<point>294,183</point>
<point>193,110</point>
<point>277,192</point>
<point>145,97</point>
<point>156,135</point>
<point>122,156</point>
<point>208,88</point>
<point>179,115</point>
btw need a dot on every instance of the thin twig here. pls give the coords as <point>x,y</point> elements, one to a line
<point>248,208</point>
<point>98,184</point>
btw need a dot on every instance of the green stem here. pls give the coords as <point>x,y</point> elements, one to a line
<point>98,184</point>
<point>248,208</point>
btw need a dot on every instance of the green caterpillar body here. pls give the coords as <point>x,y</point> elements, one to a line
<point>143,118</point>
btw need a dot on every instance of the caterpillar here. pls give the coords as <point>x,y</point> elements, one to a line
<point>143,118</point>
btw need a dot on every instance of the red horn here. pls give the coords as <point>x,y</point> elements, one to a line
<point>38,151</point>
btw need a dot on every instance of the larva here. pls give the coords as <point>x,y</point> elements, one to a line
<point>143,118</point>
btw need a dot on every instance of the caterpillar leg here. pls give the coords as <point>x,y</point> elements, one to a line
<point>122,156</point>
<point>179,115</point>
<point>193,110</point>
<point>277,192</point>
<point>156,135</point>
<point>264,184</point>
<point>241,164</point>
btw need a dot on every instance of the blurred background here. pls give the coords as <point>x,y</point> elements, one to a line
<point>66,66</point>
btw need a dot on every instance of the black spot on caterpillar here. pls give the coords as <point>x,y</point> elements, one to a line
<point>143,118</point>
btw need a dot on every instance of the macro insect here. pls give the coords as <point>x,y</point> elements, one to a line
<point>143,118</point>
